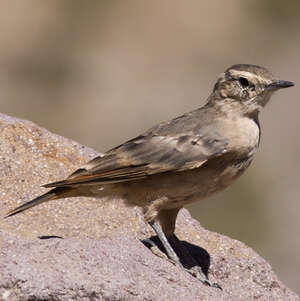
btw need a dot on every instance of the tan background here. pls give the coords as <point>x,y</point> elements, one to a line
<point>101,72</point>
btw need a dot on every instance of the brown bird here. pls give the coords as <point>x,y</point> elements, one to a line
<point>182,160</point>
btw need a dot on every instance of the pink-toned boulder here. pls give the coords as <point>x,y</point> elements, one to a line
<point>101,256</point>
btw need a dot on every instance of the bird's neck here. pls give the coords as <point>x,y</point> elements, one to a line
<point>228,106</point>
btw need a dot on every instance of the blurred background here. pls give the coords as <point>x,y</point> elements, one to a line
<point>101,72</point>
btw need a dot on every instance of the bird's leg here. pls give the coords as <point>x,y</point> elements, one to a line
<point>195,269</point>
<point>163,223</point>
<point>167,218</point>
<point>162,237</point>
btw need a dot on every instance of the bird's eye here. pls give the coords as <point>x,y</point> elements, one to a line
<point>244,82</point>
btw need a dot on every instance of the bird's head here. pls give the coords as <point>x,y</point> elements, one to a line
<point>249,85</point>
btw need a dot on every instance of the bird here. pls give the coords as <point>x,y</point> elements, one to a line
<point>182,160</point>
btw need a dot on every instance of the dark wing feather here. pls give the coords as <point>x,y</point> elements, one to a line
<point>159,150</point>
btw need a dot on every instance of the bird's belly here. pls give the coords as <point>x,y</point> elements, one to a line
<point>205,183</point>
<point>181,188</point>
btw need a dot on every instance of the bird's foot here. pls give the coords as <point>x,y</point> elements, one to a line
<point>189,264</point>
<point>197,272</point>
<point>155,249</point>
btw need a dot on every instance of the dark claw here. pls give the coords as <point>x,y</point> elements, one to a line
<point>216,285</point>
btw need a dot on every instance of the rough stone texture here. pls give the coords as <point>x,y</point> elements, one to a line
<point>101,256</point>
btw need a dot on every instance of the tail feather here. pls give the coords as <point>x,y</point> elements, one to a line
<point>48,196</point>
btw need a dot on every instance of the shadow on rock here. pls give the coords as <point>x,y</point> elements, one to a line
<point>190,255</point>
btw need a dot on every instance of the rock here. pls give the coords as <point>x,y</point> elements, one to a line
<point>101,256</point>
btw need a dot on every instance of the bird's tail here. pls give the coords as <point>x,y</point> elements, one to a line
<point>55,193</point>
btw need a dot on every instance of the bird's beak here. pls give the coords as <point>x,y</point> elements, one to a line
<point>280,84</point>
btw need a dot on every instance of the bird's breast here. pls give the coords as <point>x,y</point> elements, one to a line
<point>243,134</point>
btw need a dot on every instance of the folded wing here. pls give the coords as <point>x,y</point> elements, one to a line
<point>147,155</point>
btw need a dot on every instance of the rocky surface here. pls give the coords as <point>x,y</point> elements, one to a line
<point>101,256</point>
